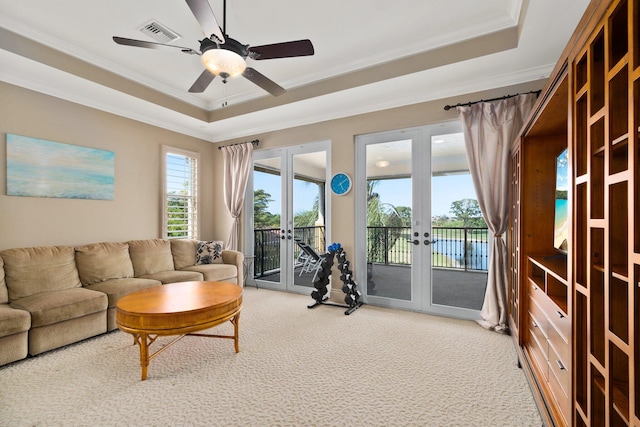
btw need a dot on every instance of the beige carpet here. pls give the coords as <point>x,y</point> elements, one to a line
<point>296,367</point>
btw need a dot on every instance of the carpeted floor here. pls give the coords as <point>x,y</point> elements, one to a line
<point>296,367</point>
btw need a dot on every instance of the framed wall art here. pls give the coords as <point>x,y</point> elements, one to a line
<point>40,168</point>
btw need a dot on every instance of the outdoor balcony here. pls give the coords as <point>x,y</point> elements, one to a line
<point>459,262</point>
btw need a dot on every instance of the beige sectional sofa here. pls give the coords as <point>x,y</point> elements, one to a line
<point>57,295</point>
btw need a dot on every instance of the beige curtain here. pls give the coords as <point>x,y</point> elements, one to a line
<point>489,128</point>
<point>237,165</point>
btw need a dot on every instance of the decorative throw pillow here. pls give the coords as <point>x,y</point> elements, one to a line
<point>209,253</point>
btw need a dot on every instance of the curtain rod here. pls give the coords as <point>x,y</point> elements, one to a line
<point>254,142</point>
<point>467,104</point>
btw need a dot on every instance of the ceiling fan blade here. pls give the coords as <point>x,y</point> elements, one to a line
<point>264,82</point>
<point>150,45</point>
<point>202,82</point>
<point>282,50</point>
<point>201,9</point>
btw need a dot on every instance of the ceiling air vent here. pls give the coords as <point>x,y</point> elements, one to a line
<point>158,31</point>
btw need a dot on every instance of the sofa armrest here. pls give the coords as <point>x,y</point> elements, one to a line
<point>235,258</point>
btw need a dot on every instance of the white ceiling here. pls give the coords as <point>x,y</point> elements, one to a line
<point>350,37</point>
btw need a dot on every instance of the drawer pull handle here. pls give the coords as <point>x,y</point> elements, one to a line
<point>560,365</point>
<point>560,314</point>
<point>535,287</point>
<point>534,324</point>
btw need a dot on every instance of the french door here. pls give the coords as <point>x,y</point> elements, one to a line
<point>394,236</point>
<point>287,207</point>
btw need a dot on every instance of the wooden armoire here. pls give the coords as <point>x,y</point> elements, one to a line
<point>575,314</point>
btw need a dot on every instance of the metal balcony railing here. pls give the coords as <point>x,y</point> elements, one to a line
<point>460,248</point>
<point>267,247</point>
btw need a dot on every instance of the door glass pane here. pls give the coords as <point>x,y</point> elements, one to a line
<point>459,257</point>
<point>389,208</point>
<point>309,175</point>
<point>267,206</point>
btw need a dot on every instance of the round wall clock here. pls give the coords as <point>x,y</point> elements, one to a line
<point>340,184</point>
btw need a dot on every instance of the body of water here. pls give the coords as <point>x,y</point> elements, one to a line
<point>477,252</point>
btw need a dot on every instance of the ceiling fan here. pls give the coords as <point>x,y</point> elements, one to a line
<point>226,57</point>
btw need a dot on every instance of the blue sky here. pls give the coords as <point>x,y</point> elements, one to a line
<point>445,190</point>
<point>562,177</point>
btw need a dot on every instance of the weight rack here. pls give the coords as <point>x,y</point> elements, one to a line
<point>349,287</point>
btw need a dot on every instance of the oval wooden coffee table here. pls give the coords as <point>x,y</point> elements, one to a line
<point>178,309</point>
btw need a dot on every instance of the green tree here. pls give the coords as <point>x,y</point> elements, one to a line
<point>440,220</point>
<point>262,218</point>
<point>405,215</point>
<point>307,218</point>
<point>468,212</point>
<point>178,212</point>
<point>379,216</point>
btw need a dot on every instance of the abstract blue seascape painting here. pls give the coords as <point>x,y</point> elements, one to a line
<point>40,168</point>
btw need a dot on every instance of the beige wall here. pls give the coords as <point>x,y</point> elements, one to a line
<point>136,209</point>
<point>135,212</point>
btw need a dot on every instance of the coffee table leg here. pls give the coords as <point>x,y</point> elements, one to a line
<point>142,340</point>
<point>235,322</point>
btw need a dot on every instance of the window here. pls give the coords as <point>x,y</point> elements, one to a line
<point>180,192</point>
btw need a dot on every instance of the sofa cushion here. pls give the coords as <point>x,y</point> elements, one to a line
<point>150,256</point>
<point>184,252</point>
<point>57,306</point>
<point>13,321</point>
<point>29,271</point>
<point>209,252</point>
<point>173,276</point>
<point>4,294</point>
<point>216,272</point>
<point>99,262</point>
<point>117,288</point>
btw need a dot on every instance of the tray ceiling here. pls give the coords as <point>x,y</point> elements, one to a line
<point>369,55</point>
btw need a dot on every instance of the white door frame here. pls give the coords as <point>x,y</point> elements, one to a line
<point>421,284</point>
<point>286,155</point>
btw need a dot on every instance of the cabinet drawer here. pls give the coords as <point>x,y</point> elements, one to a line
<point>539,316</point>
<point>560,370</point>
<point>537,293</point>
<point>559,343</point>
<point>535,330</point>
<point>539,350</point>
<point>560,321</point>
<point>562,399</point>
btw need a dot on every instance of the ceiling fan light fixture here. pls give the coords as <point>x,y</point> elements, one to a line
<point>224,63</point>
